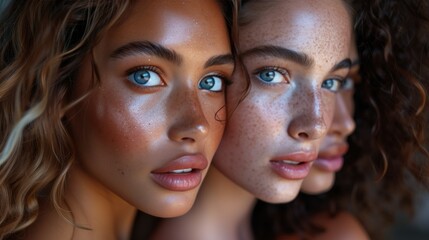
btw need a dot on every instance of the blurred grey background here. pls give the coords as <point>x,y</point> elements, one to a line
<point>416,227</point>
<point>3,4</point>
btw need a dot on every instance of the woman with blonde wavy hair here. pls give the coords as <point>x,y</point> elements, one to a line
<point>91,128</point>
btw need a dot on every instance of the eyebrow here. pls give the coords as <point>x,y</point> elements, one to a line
<point>280,52</point>
<point>220,60</point>
<point>345,63</point>
<point>151,48</point>
<point>146,47</point>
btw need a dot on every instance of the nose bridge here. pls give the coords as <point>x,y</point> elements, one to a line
<point>308,123</point>
<point>188,121</point>
<point>343,123</point>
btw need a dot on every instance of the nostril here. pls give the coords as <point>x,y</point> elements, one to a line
<point>188,139</point>
<point>302,135</point>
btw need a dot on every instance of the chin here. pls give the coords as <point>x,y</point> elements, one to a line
<point>174,205</point>
<point>283,194</point>
<point>318,184</point>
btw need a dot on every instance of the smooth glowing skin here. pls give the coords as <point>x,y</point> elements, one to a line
<point>126,131</point>
<point>275,119</point>
<point>123,131</point>
<point>292,116</point>
<point>320,179</point>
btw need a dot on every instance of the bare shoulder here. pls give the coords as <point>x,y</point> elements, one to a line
<point>342,226</point>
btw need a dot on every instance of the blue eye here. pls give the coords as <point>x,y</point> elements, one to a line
<point>347,84</point>
<point>145,78</point>
<point>332,84</point>
<point>211,83</point>
<point>271,76</point>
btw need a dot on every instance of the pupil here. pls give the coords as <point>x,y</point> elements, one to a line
<point>142,77</point>
<point>268,76</point>
<point>208,83</point>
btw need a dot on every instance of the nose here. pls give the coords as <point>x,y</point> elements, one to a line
<point>188,122</point>
<point>308,122</point>
<point>343,123</point>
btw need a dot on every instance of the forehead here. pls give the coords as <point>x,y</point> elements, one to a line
<point>323,25</point>
<point>168,22</point>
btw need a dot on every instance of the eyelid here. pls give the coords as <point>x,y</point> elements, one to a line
<point>275,68</point>
<point>146,67</point>
<point>226,79</point>
<point>338,81</point>
<point>281,70</point>
<point>151,68</point>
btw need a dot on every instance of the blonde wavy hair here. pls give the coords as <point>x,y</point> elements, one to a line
<point>42,45</point>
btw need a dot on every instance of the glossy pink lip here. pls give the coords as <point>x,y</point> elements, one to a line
<point>170,177</point>
<point>293,171</point>
<point>331,159</point>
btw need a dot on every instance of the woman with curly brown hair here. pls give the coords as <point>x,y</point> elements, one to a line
<point>393,44</point>
<point>296,54</point>
<point>92,127</point>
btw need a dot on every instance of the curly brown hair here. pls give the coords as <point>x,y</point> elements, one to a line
<point>387,147</point>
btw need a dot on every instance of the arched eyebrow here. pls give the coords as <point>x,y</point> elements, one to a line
<point>149,48</point>
<point>280,52</point>
<point>291,55</point>
<point>155,49</point>
<point>345,63</point>
<point>220,60</point>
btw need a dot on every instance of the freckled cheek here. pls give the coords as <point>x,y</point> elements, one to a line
<point>329,107</point>
<point>123,125</point>
<point>255,125</point>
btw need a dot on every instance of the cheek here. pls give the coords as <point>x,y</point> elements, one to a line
<point>329,107</point>
<point>348,99</point>
<point>124,124</point>
<point>255,125</point>
<point>214,111</point>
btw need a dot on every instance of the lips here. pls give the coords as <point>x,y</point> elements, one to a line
<point>331,159</point>
<point>181,174</point>
<point>293,166</point>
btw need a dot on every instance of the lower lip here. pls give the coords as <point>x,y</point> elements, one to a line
<point>289,171</point>
<point>178,181</point>
<point>329,165</point>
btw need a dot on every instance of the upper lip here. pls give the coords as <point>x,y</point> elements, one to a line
<point>334,150</point>
<point>190,161</point>
<point>301,156</point>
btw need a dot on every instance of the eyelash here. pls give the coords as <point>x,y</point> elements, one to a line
<point>147,67</point>
<point>226,80</point>
<point>151,68</point>
<point>281,70</point>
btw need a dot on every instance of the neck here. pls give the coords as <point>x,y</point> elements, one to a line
<point>95,207</point>
<point>222,211</point>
